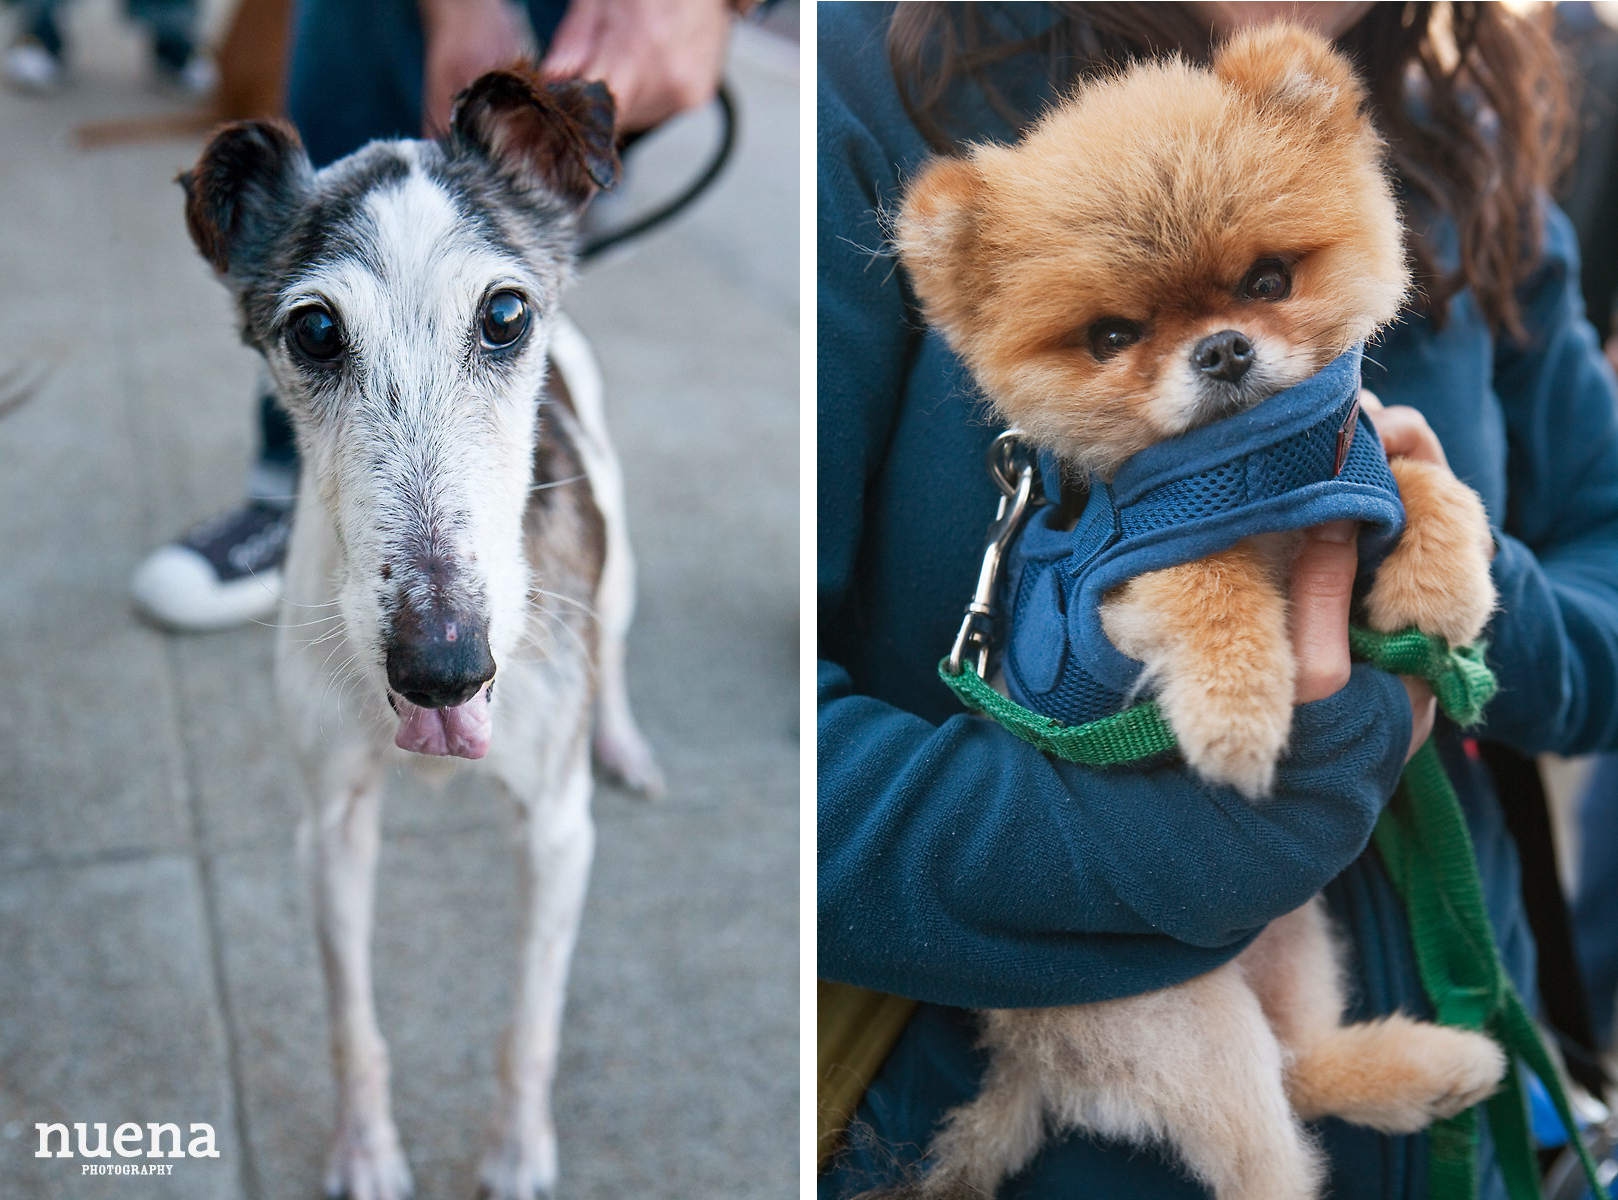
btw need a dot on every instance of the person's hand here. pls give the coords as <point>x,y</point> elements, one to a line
<point>659,57</point>
<point>1423,712</point>
<point>1322,586</point>
<point>1404,431</point>
<point>464,39</point>
<point>1405,434</point>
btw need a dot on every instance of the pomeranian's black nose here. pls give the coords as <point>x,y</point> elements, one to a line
<point>1224,355</point>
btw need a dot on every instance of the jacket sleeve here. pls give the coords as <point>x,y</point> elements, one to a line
<point>961,866</point>
<point>1554,641</point>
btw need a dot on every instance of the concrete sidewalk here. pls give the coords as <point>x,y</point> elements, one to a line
<point>157,958</point>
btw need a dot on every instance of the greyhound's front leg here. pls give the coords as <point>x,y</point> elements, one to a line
<point>366,1160</point>
<point>558,841</point>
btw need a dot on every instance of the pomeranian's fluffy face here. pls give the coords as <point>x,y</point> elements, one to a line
<point>1167,247</point>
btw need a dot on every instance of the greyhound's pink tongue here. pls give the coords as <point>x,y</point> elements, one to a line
<point>462,731</point>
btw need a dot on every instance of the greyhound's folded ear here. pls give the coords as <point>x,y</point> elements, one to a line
<point>561,132</point>
<point>243,189</point>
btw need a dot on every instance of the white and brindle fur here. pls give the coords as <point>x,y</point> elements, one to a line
<point>458,513</point>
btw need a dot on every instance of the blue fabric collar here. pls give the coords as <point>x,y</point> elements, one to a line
<point>1304,456</point>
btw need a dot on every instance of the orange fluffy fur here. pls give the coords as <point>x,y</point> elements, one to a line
<point>1082,274</point>
<point>1148,196</point>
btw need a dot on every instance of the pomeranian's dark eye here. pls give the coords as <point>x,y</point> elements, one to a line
<point>1112,335</point>
<point>505,320</point>
<point>314,333</point>
<point>1268,280</point>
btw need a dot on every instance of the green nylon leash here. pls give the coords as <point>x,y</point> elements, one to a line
<point>1422,840</point>
<point>1424,845</point>
<point>1136,733</point>
<point>1459,678</point>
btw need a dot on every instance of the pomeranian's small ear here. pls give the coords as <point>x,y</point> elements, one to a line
<point>1295,71</point>
<point>561,131</point>
<point>241,189</point>
<point>935,232</point>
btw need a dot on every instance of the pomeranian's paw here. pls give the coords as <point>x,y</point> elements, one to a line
<point>1231,732</point>
<point>1396,1075</point>
<point>1475,1070</point>
<point>1437,577</point>
<point>1213,637</point>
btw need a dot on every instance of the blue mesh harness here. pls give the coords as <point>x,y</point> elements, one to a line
<point>1304,456</point>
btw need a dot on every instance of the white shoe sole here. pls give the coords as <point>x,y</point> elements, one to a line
<point>30,68</point>
<point>176,588</point>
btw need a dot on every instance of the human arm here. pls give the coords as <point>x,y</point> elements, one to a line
<point>1554,640</point>
<point>961,866</point>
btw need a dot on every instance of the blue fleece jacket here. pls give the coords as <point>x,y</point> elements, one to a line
<point>962,867</point>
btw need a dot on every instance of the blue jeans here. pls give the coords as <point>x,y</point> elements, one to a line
<point>355,76</point>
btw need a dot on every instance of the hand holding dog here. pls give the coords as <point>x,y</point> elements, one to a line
<point>660,59</point>
<point>464,38</point>
<point>1404,431</point>
<point>1322,587</point>
<point>1406,434</point>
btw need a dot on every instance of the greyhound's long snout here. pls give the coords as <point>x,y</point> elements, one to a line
<point>439,658</point>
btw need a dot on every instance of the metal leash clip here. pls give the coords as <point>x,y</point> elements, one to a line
<point>1012,467</point>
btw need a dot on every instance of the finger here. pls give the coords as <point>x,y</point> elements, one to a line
<point>435,108</point>
<point>635,82</point>
<point>576,42</point>
<point>1322,586</point>
<point>1423,712</point>
<point>1369,402</point>
<point>1406,434</point>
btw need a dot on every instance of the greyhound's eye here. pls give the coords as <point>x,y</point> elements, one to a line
<point>314,333</point>
<point>505,320</point>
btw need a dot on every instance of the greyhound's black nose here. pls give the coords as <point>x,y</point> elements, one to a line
<point>1224,355</point>
<point>438,660</point>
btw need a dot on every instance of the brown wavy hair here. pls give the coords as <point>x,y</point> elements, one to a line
<point>1472,99</point>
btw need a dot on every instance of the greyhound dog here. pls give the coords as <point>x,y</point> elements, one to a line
<point>459,525</point>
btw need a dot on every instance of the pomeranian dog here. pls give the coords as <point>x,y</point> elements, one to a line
<point>1168,247</point>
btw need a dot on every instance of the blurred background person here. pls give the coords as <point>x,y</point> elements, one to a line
<point>37,57</point>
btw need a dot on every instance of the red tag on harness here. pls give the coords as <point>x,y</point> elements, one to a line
<point>1345,438</point>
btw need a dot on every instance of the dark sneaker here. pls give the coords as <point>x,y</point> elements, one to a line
<point>223,572</point>
<point>182,68</point>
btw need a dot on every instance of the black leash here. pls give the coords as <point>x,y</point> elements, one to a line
<point>666,212</point>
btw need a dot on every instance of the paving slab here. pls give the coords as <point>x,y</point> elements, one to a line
<point>92,761</point>
<point>109,1013</point>
<point>678,1075</point>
